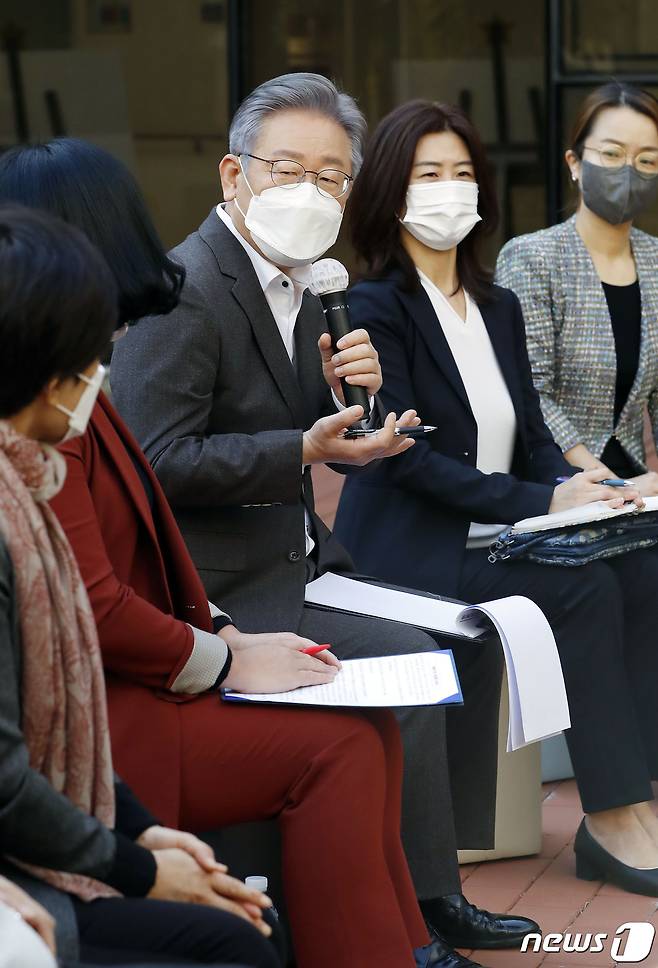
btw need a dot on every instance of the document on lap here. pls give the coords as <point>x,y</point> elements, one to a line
<point>585,514</point>
<point>537,696</point>
<point>416,679</point>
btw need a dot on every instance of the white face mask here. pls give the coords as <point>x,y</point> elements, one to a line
<point>442,213</point>
<point>292,226</point>
<point>79,418</point>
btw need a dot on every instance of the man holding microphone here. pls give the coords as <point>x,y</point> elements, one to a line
<point>236,393</point>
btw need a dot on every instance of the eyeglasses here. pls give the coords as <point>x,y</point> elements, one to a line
<point>290,174</point>
<point>614,156</point>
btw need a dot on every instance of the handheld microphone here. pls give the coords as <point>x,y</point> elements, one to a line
<point>329,281</point>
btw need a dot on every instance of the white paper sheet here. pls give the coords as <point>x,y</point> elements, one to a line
<point>417,679</point>
<point>538,706</point>
<point>538,701</point>
<point>362,598</point>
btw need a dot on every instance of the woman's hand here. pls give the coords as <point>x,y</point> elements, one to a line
<point>246,640</point>
<point>32,913</point>
<point>162,838</point>
<point>324,442</point>
<point>647,484</point>
<point>180,878</point>
<point>278,668</point>
<point>585,487</point>
<point>580,456</point>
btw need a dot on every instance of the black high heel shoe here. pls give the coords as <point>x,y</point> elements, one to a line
<point>595,863</point>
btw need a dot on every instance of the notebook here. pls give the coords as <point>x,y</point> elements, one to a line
<point>585,514</point>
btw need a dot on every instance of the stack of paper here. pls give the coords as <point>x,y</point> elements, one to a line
<point>362,598</point>
<point>538,700</point>
<point>538,706</point>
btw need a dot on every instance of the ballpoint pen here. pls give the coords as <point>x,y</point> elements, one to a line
<point>354,432</point>
<point>314,649</point>
<point>608,482</point>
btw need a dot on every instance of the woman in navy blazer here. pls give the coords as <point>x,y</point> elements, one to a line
<point>452,346</point>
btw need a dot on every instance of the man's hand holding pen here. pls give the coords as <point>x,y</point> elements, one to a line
<point>326,441</point>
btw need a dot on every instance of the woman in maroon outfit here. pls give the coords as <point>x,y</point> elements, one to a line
<point>331,778</point>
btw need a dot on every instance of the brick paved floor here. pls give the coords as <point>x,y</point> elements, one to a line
<point>546,888</point>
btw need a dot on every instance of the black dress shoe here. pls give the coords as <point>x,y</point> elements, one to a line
<point>594,863</point>
<point>464,925</point>
<point>438,954</point>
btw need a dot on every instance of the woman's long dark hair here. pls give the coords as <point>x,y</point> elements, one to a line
<point>379,193</point>
<point>91,189</point>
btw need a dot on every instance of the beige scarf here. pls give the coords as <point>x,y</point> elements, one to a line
<point>63,691</point>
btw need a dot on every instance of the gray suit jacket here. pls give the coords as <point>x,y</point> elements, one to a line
<point>212,397</point>
<point>570,339</point>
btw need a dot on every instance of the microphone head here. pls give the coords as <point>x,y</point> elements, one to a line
<point>328,275</point>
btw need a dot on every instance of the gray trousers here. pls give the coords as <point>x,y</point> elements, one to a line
<point>450,754</point>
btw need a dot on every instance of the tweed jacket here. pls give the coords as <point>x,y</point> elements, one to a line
<point>570,339</point>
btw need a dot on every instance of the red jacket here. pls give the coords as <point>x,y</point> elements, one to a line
<point>143,589</point>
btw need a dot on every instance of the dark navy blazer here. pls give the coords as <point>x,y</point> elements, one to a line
<point>406,520</point>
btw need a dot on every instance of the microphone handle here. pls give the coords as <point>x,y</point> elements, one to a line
<point>336,313</point>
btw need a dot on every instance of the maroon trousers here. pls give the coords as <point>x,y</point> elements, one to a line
<point>333,779</point>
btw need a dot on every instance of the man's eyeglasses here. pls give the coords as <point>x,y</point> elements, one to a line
<point>614,156</point>
<point>290,174</point>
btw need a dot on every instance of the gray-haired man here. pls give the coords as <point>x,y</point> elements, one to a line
<point>236,393</point>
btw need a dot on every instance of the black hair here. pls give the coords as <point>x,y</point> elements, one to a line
<point>614,94</point>
<point>57,304</point>
<point>90,188</point>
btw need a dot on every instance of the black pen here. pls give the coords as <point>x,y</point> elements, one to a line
<point>353,432</point>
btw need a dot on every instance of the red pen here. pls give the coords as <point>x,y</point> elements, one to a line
<point>314,649</point>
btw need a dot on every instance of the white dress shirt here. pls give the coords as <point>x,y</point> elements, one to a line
<point>282,291</point>
<point>486,391</point>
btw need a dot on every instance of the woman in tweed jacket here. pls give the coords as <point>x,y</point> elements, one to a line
<point>589,292</point>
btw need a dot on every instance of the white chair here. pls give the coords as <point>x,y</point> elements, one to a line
<point>518,798</point>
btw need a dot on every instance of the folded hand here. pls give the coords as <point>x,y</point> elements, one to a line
<point>180,878</point>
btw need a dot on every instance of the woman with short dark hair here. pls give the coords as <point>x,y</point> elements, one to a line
<point>452,347</point>
<point>70,833</point>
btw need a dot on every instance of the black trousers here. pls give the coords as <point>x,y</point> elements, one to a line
<point>135,931</point>
<point>605,620</point>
